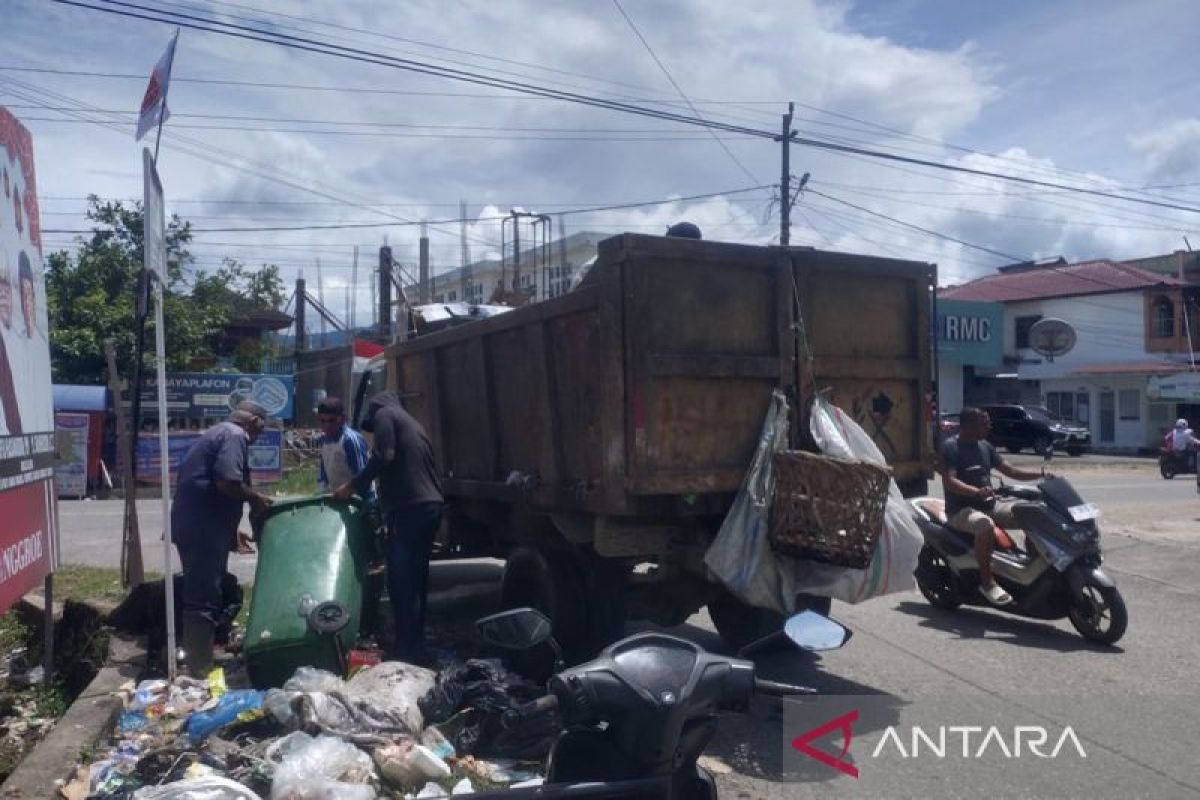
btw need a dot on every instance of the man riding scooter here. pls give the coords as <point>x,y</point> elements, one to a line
<point>971,505</point>
<point>1179,450</point>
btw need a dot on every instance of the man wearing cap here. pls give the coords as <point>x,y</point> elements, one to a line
<point>213,483</point>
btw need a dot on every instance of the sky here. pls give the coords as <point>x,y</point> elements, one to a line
<point>1101,95</point>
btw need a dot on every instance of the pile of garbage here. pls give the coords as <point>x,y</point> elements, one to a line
<point>391,730</point>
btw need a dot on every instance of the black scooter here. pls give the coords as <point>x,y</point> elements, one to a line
<point>1172,463</point>
<point>1056,575</point>
<point>638,717</point>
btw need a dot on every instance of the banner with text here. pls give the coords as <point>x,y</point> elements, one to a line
<point>213,396</point>
<point>266,456</point>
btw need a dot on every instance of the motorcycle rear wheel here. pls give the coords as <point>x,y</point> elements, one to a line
<point>1166,468</point>
<point>1100,616</point>
<point>936,580</point>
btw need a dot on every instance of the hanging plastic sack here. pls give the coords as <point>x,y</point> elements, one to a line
<point>895,558</point>
<point>740,556</point>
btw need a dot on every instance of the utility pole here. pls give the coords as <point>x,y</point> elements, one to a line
<point>785,180</point>
<point>354,291</point>
<point>132,569</point>
<point>465,271</point>
<point>564,281</point>
<point>321,300</point>
<point>385,293</point>
<point>301,303</point>
<point>423,292</point>
<point>516,218</point>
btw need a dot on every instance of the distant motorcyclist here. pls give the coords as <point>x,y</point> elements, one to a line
<point>1183,438</point>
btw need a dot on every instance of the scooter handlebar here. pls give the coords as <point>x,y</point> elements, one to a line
<point>515,717</point>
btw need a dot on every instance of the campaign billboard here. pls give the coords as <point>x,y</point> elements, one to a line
<point>266,456</point>
<point>70,468</point>
<point>29,537</point>
<point>213,395</point>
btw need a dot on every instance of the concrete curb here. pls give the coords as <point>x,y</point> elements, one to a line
<point>87,721</point>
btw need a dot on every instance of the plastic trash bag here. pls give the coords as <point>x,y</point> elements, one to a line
<point>243,705</point>
<point>895,558</point>
<point>741,556</point>
<point>316,768</point>
<point>394,691</point>
<point>212,787</point>
<point>469,702</point>
<point>311,679</point>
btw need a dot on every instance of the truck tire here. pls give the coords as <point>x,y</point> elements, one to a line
<point>547,579</point>
<point>740,624</point>
<point>581,592</point>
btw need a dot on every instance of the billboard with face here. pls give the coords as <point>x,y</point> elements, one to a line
<point>29,542</point>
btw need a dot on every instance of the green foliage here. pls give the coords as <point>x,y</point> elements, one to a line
<point>91,296</point>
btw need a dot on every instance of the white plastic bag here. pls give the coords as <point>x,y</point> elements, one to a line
<point>212,787</point>
<point>895,557</point>
<point>741,556</point>
<point>322,767</point>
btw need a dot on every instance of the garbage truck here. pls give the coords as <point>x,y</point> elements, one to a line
<point>595,440</point>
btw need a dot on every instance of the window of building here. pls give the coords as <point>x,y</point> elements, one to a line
<point>1061,405</point>
<point>1164,318</point>
<point>1023,326</point>
<point>452,296</point>
<point>1129,404</point>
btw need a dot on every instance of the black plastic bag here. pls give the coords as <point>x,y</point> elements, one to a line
<point>471,698</point>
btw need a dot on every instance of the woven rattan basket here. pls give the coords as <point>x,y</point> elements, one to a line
<point>827,509</point>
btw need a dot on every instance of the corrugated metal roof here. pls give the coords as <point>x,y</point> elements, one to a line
<point>72,397</point>
<point>1035,283</point>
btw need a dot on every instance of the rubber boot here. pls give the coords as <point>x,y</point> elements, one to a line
<point>198,644</point>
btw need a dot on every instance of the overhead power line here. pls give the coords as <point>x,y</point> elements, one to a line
<point>918,228</point>
<point>679,89</point>
<point>209,25</point>
<point>350,225</point>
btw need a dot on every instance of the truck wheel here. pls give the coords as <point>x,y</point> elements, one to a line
<point>740,624</point>
<point>548,580</point>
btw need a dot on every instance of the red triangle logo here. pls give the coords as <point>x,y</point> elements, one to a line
<point>843,724</point>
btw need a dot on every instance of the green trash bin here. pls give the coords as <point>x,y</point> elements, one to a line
<point>308,588</point>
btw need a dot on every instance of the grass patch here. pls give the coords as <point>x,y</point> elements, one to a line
<point>297,481</point>
<point>79,582</point>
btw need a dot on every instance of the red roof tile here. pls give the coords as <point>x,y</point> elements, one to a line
<point>1033,283</point>
<point>1132,368</point>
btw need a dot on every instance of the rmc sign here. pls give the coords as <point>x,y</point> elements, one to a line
<point>970,333</point>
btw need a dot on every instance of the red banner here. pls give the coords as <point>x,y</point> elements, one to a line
<point>28,539</point>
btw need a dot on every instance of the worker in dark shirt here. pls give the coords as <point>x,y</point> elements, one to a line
<point>213,484</point>
<point>410,499</point>
<point>971,505</point>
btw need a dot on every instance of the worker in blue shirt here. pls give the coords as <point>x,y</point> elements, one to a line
<point>344,451</point>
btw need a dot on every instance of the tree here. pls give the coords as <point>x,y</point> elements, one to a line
<point>91,296</point>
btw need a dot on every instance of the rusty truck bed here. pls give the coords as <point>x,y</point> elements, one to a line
<point>642,392</point>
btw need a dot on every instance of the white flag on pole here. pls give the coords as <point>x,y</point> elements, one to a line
<point>154,103</point>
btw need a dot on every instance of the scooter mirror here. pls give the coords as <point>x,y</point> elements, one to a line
<point>518,629</point>
<point>812,631</point>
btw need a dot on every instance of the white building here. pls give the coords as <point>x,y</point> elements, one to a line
<point>544,272</point>
<point>1133,328</point>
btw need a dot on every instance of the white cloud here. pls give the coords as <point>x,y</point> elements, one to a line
<point>1172,151</point>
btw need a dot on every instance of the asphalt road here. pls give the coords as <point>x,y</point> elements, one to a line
<point>1134,709</point>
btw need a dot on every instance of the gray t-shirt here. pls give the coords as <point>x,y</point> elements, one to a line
<point>973,463</point>
<point>201,513</point>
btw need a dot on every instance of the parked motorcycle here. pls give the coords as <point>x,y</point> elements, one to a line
<point>1172,463</point>
<point>638,717</point>
<point>1057,574</point>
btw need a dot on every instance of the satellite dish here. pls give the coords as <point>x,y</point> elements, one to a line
<point>1052,338</point>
